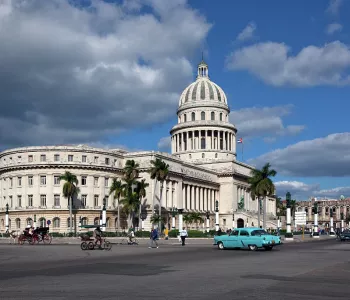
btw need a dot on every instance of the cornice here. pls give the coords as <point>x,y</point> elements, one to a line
<point>206,123</point>
<point>202,104</point>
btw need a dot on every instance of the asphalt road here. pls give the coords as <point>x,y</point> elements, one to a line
<point>316,270</point>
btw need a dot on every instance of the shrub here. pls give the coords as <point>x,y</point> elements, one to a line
<point>143,234</point>
<point>288,235</point>
<point>173,233</point>
<point>56,234</point>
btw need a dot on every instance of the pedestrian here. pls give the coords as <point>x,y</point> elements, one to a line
<point>166,233</point>
<point>183,235</point>
<point>153,238</point>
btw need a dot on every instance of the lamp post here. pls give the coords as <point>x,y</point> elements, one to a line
<point>143,217</point>
<point>103,215</point>
<point>331,232</point>
<point>7,218</point>
<point>289,234</point>
<point>315,233</point>
<point>207,214</point>
<point>278,225</point>
<point>34,221</point>
<point>216,215</point>
<point>173,211</point>
<point>342,222</point>
<point>233,221</point>
<point>180,211</point>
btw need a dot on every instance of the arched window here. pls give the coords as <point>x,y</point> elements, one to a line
<point>97,221</point>
<point>185,118</point>
<point>29,221</point>
<point>220,116</point>
<point>202,115</point>
<point>56,222</point>
<point>108,222</point>
<point>68,222</point>
<point>84,221</point>
<point>212,116</point>
<point>18,223</point>
<point>193,116</point>
<point>42,222</point>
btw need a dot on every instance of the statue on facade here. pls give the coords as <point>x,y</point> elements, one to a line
<point>241,203</point>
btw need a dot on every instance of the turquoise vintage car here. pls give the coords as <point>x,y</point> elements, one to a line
<point>250,238</point>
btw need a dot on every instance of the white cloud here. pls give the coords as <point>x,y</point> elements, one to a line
<point>165,143</point>
<point>303,191</point>
<point>327,156</point>
<point>75,74</point>
<point>312,66</point>
<point>334,6</point>
<point>334,27</point>
<point>266,122</point>
<point>247,33</point>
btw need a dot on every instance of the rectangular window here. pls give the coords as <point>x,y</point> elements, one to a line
<point>202,143</point>
<point>11,201</point>
<point>30,158</point>
<point>107,161</point>
<point>56,157</point>
<point>30,180</point>
<point>95,181</point>
<point>11,182</point>
<point>19,201</point>
<point>30,200</point>
<point>56,180</point>
<point>83,180</point>
<point>42,157</point>
<point>43,200</point>
<point>96,159</point>
<point>70,157</point>
<point>42,180</point>
<point>96,200</point>
<point>83,200</point>
<point>19,181</point>
<point>83,158</point>
<point>56,200</point>
<point>106,181</point>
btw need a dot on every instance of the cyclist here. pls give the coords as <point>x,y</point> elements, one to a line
<point>131,236</point>
<point>97,235</point>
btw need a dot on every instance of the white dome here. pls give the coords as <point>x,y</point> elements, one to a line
<point>203,89</point>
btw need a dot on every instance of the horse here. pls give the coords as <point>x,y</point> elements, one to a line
<point>13,236</point>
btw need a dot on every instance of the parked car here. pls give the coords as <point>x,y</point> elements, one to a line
<point>251,238</point>
<point>345,235</point>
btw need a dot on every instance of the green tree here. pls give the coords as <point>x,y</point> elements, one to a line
<point>117,190</point>
<point>187,218</point>
<point>69,190</point>
<point>131,169</point>
<point>130,204</point>
<point>196,218</point>
<point>159,172</point>
<point>262,186</point>
<point>141,192</point>
<point>157,219</point>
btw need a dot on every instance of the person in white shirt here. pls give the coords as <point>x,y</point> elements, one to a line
<point>183,235</point>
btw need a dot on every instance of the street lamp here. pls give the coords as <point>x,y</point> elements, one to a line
<point>216,215</point>
<point>34,221</point>
<point>173,212</point>
<point>331,232</point>
<point>7,218</point>
<point>233,221</point>
<point>103,216</point>
<point>207,214</point>
<point>289,234</point>
<point>315,233</point>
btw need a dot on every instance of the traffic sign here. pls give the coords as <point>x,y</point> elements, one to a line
<point>300,218</point>
<point>48,222</point>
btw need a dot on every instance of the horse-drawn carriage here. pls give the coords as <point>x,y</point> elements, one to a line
<point>40,234</point>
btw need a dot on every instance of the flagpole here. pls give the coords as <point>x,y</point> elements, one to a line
<point>242,151</point>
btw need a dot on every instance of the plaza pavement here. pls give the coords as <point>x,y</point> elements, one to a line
<point>316,270</point>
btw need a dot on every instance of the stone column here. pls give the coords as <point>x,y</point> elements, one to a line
<point>177,142</point>
<point>224,140</point>
<point>206,139</point>
<point>188,200</point>
<point>193,201</point>
<point>170,193</point>
<point>197,196</point>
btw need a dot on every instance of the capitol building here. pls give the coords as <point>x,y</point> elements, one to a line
<point>203,168</point>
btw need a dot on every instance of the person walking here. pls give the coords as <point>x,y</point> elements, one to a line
<point>183,235</point>
<point>153,238</point>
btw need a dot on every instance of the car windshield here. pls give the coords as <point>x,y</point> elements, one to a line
<point>259,232</point>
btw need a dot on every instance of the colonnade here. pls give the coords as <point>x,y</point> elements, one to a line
<point>203,139</point>
<point>199,198</point>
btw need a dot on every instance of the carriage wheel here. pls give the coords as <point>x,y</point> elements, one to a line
<point>21,240</point>
<point>83,246</point>
<point>91,246</point>
<point>47,239</point>
<point>107,246</point>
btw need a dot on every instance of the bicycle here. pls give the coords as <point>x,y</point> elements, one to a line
<point>89,244</point>
<point>126,241</point>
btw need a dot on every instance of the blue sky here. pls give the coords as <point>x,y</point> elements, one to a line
<point>121,66</point>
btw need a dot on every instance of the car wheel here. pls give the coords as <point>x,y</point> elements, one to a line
<point>253,247</point>
<point>221,246</point>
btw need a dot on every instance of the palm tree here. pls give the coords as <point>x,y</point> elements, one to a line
<point>159,171</point>
<point>157,219</point>
<point>280,208</point>
<point>187,219</point>
<point>196,218</point>
<point>69,190</point>
<point>117,189</point>
<point>130,204</point>
<point>261,187</point>
<point>131,169</point>
<point>141,191</point>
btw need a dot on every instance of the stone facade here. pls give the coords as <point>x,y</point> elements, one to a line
<point>203,169</point>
